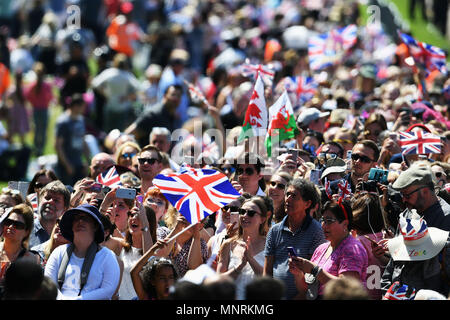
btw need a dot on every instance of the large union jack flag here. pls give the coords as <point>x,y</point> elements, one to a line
<point>430,57</point>
<point>419,142</point>
<point>196,193</point>
<point>399,292</point>
<point>109,178</point>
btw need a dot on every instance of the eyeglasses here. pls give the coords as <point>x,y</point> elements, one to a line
<point>149,160</point>
<point>327,220</point>
<point>278,185</point>
<point>249,213</point>
<point>408,195</point>
<point>365,159</point>
<point>38,185</point>
<point>231,208</point>
<point>248,171</point>
<point>17,224</point>
<point>128,155</point>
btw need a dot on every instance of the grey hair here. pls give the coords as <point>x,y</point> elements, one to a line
<point>160,131</point>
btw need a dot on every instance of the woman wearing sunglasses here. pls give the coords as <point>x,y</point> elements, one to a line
<point>276,188</point>
<point>16,228</point>
<point>242,256</point>
<point>126,153</point>
<point>341,256</point>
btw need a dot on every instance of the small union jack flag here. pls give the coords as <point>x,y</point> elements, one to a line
<point>33,198</point>
<point>413,231</point>
<point>399,292</point>
<point>196,93</point>
<point>345,37</point>
<point>109,178</point>
<point>196,193</point>
<point>344,189</point>
<point>252,70</point>
<point>304,87</point>
<point>419,142</point>
<point>430,57</point>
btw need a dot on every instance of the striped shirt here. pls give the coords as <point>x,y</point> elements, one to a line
<point>304,240</point>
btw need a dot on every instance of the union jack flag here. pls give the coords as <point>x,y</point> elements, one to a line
<point>109,178</point>
<point>196,193</point>
<point>344,189</point>
<point>33,198</point>
<point>304,87</point>
<point>419,142</point>
<point>412,232</point>
<point>196,93</point>
<point>430,57</point>
<point>399,292</point>
<point>345,37</point>
<point>252,70</point>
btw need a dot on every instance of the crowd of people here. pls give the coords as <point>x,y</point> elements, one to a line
<point>338,211</point>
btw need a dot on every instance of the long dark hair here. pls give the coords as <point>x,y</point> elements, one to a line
<point>149,273</point>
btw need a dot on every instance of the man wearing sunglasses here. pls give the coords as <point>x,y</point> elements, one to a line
<point>416,187</point>
<point>365,155</point>
<point>248,172</point>
<point>149,165</point>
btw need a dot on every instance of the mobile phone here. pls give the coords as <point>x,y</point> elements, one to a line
<point>314,176</point>
<point>126,193</point>
<point>96,187</point>
<point>21,186</point>
<point>291,251</point>
<point>140,198</point>
<point>393,136</point>
<point>294,153</point>
<point>372,242</point>
<point>379,175</point>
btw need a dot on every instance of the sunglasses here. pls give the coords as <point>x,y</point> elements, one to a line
<point>440,174</point>
<point>231,208</point>
<point>365,159</point>
<point>149,160</point>
<point>341,141</point>
<point>324,156</point>
<point>229,169</point>
<point>249,213</point>
<point>278,185</point>
<point>39,185</point>
<point>327,221</point>
<point>248,171</point>
<point>17,224</point>
<point>128,155</point>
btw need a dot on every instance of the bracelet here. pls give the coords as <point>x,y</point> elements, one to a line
<point>316,270</point>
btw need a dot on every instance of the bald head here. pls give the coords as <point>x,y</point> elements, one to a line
<point>99,163</point>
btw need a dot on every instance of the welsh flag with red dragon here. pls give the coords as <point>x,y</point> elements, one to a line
<point>281,122</point>
<point>255,121</point>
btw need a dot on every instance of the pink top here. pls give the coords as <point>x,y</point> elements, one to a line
<point>350,255</point>
<point>375,268</point>
<point>42,99</point>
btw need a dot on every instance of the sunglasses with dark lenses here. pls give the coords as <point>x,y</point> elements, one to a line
<point>231,208</point>
<point>38,185</point>
<point>248,171</point>
<point>440,174</point>
<point>149,160</point>
<point>365,159</point>
<point>128,155</point>
<point>249,213</point>
<point>278,185</point>
<point>17,224</point>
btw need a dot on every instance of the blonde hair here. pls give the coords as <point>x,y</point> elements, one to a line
<point>124,145</point>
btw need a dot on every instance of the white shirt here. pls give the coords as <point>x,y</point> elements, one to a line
<point>103,276</point>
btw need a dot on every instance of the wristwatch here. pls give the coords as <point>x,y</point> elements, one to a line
<point>145,229</point>
<point>310,278</point>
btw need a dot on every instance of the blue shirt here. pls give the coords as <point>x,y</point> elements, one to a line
<point>304,240</point>
<point>39,235</point>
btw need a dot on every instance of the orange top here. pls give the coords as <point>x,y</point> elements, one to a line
<point>121,35</point>
<point>5,80</point>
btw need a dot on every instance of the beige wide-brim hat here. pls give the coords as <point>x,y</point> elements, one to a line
<point>425,243</point>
